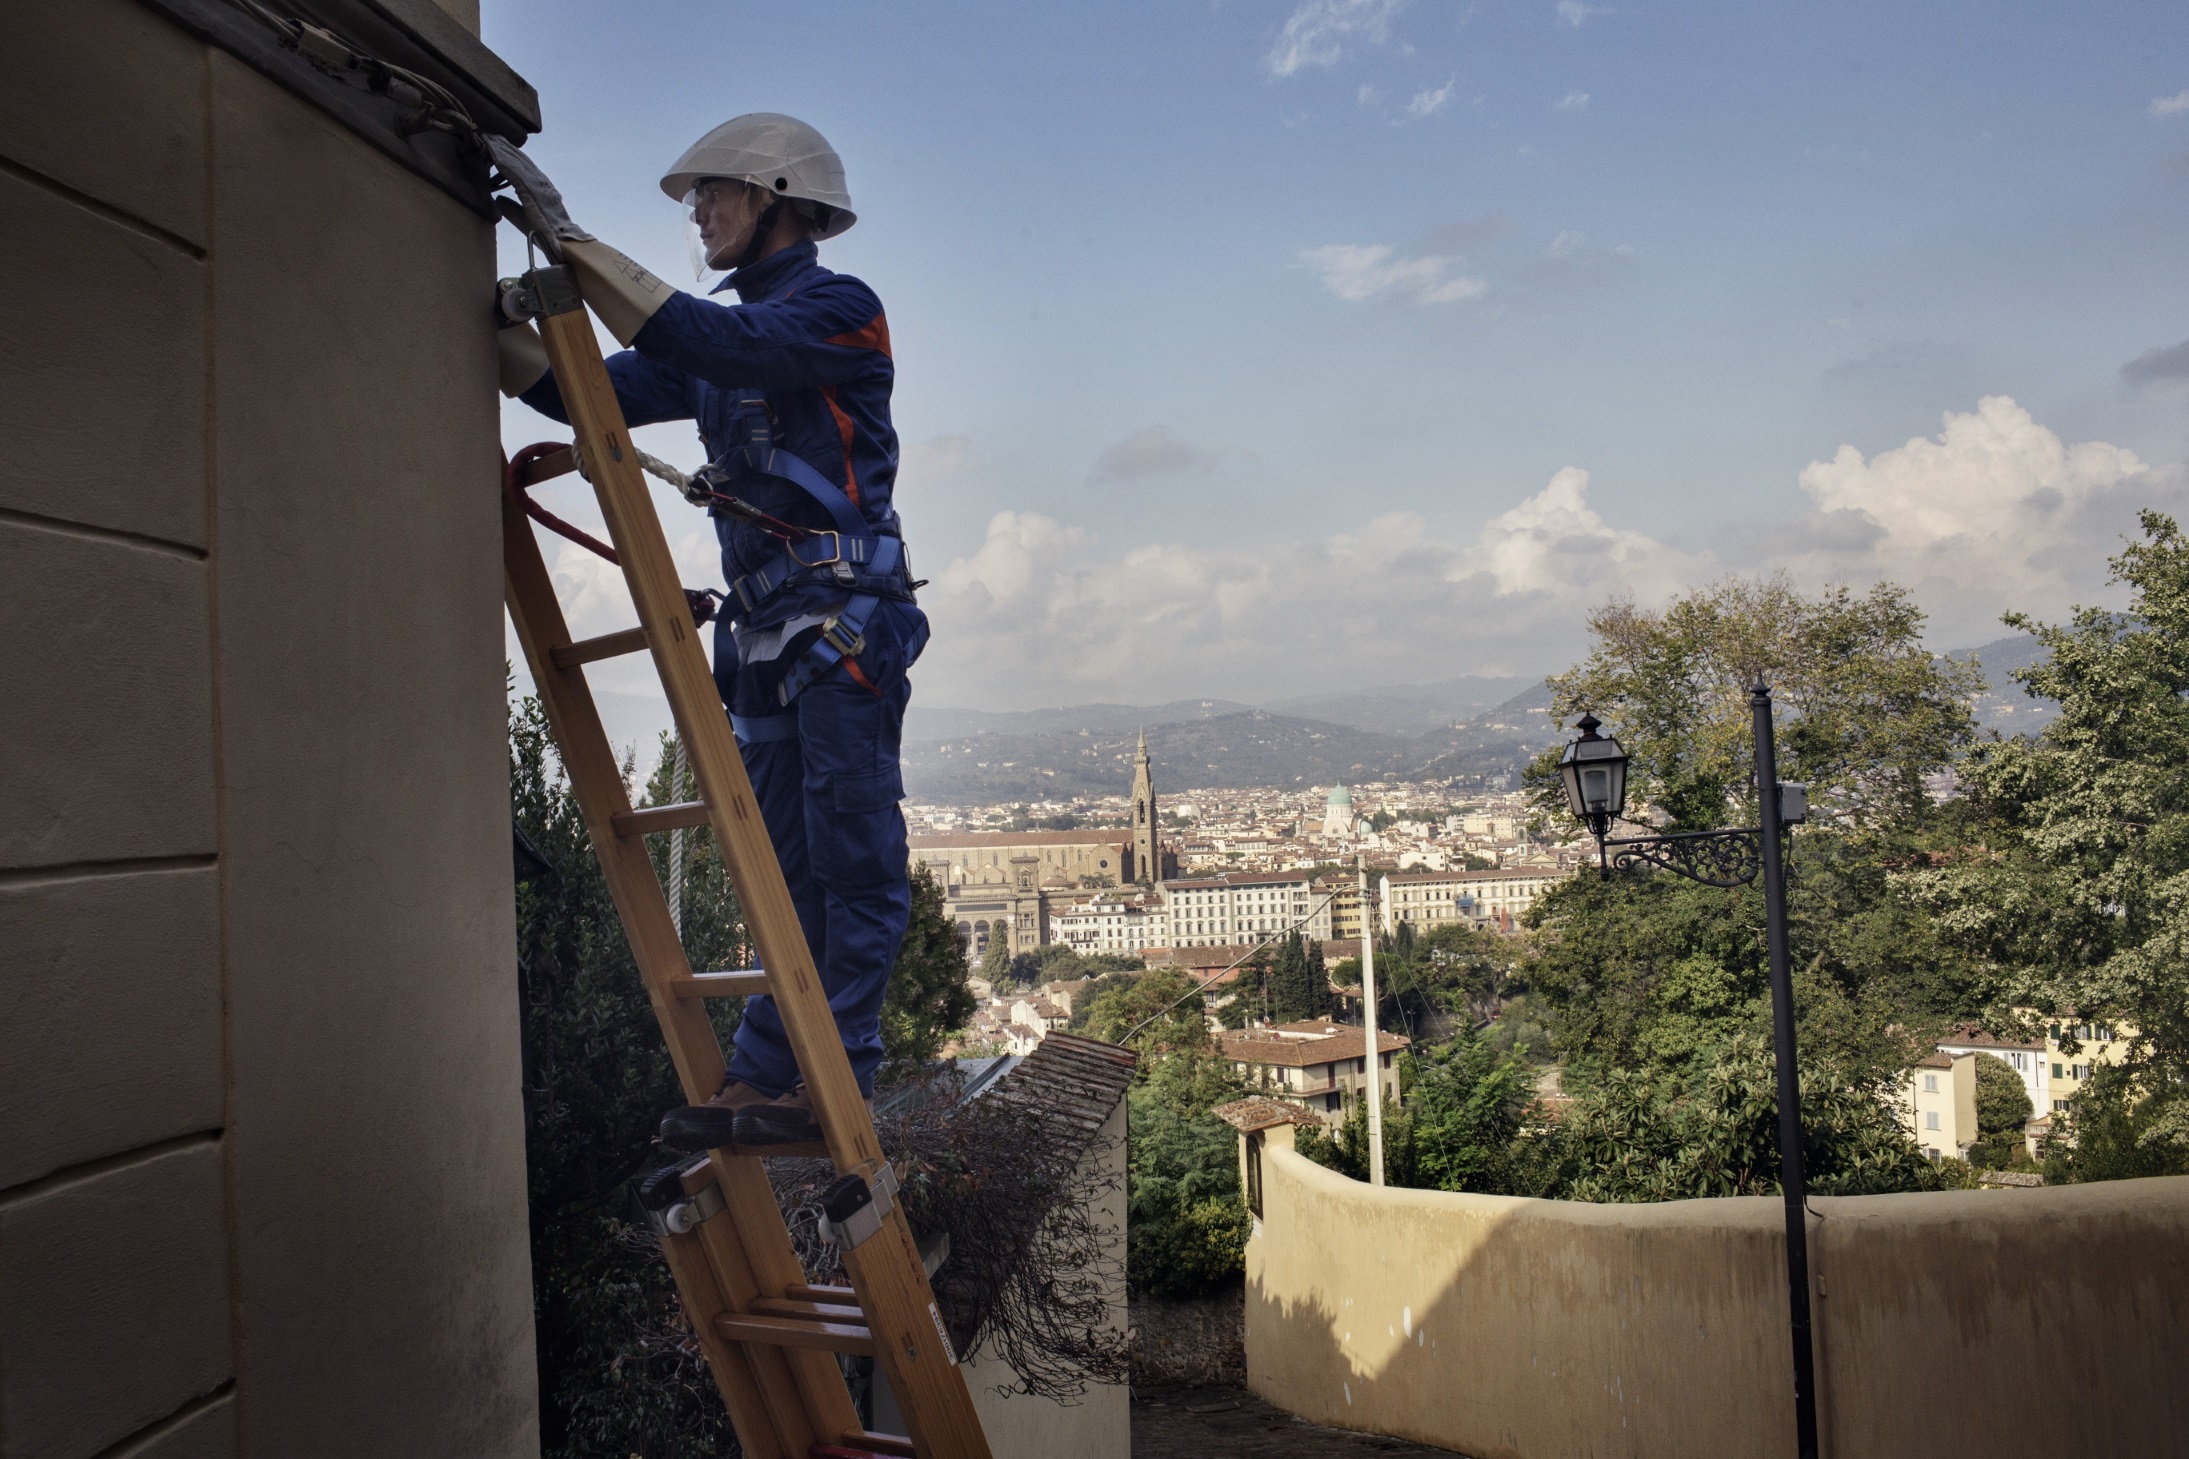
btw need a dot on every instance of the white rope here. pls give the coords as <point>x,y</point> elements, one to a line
<point>676,843</point>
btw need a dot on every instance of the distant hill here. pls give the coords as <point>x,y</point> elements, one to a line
<point>1059,754</point>
<point>1405,709</point>
<point>2003,706</point>
<point>922,722</point>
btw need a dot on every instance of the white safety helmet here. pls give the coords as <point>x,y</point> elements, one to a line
<point>779,154</point>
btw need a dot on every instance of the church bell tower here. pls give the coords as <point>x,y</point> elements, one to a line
<point>1147,858</point>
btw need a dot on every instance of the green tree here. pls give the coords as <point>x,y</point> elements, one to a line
<point>1655,973</point>
<point>995,963</point>
<point>1186,1224</point>
<point>2002,1109</point>
<point>1466,1102</point>
<point>2074,895</point>
<point>1866,712</point>
<point>1638,1137</point>
<point>1156,1012</point>
<point>928,998</point>
<point>614,1374</point>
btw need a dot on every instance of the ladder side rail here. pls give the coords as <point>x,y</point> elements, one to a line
<point>886,1270</point>
<point>761,1431</point>
<point>749,1249</point>
<point>597,782</point>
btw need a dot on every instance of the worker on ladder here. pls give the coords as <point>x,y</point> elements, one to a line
<point>790,388</point>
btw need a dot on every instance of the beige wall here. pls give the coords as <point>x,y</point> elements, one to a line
<point>261,1147</point>
<point>1099,1424</point>
<point>1503,1327</point>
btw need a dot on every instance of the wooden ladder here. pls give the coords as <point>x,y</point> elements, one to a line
<point>769,1336</point>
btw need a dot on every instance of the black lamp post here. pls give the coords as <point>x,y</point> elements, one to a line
<point>1594,769</point>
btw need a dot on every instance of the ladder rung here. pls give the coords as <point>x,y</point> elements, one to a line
<point>550,466</point>
<point>790,1332</point>
<point>808,1311</point>
<point>660,818</point>
<point>806,1292</point>
<point>720,985</point>
<point>875,1443</point>
<point>607,646</point>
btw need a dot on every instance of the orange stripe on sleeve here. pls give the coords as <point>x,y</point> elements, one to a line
<point>873,335</point>
<point>843,429</point>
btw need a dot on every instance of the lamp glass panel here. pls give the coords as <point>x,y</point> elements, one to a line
<point>1596,789</point>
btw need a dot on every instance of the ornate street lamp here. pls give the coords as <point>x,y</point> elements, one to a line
<point>1594,769</point>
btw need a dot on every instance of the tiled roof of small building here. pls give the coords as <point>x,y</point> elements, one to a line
<point>1260,1112</point>
<point>1969,1036</point>
<point>1070,1078</point>
<point>1312,1042</point>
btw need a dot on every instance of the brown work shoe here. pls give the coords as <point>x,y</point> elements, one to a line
<point>786,1120</point>
<point>711,1125</point>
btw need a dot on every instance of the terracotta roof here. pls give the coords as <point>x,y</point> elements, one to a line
<point>1238,879</point>
<point>1076,1080</point>
<point>994,840</point>
<point>1970,1037</point>
<point>2009,1178</point>
<point>1260,1112</point>
<point>1309,1046</point>
<point>1935,1060</point>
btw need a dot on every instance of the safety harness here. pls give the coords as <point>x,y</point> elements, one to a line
<point>851,556</point>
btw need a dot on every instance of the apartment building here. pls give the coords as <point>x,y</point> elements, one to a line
<point>1115,923</point>
<point>1323,1065</point>
<point>2026,1058</point>
<point>1938,1103</point>
<point>1493,898</point>
<point>1243,907</point>
<point>2096,1044</point>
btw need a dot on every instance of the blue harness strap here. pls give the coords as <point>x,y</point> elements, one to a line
<point>867,564</point>
<point>759,729</point>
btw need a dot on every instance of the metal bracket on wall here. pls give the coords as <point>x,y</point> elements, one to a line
<point>384,122</point>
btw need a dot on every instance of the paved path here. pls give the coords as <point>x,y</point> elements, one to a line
<point>1231,1423</point>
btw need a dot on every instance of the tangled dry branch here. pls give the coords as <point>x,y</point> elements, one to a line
<point>1020,1193</point>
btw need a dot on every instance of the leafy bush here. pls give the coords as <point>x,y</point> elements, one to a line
<point>1187,1225</point>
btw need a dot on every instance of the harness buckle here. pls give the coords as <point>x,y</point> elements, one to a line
<point>832,632</point>
<point>844,573</point>
<point>835,551</point>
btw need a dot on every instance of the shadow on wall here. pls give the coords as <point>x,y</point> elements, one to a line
<point>1499,1326</point>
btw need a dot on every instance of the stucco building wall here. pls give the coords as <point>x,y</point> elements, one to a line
<point>1099,1424</point>
<point>261,1146</point>
<point>1515,1329</point>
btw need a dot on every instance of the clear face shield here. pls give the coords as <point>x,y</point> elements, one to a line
<point>718,218</point>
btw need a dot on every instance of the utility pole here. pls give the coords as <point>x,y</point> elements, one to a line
<point>1374,1092</point>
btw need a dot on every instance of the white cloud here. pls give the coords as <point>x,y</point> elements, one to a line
<point>1555,542</point>
<point>1357,272</point>
<point>1573,101</point>
<point>1573,12</point>
<point>1993,512</point>
<point>1038,606</point>
<point>1429,103</point>
<point>2170,106</point>
<point>1320,31</point>
<point>1368,96</point>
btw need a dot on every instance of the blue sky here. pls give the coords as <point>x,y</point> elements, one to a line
<point>1255,349</point>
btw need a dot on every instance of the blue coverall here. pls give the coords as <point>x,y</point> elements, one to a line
<point>816,343</point>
